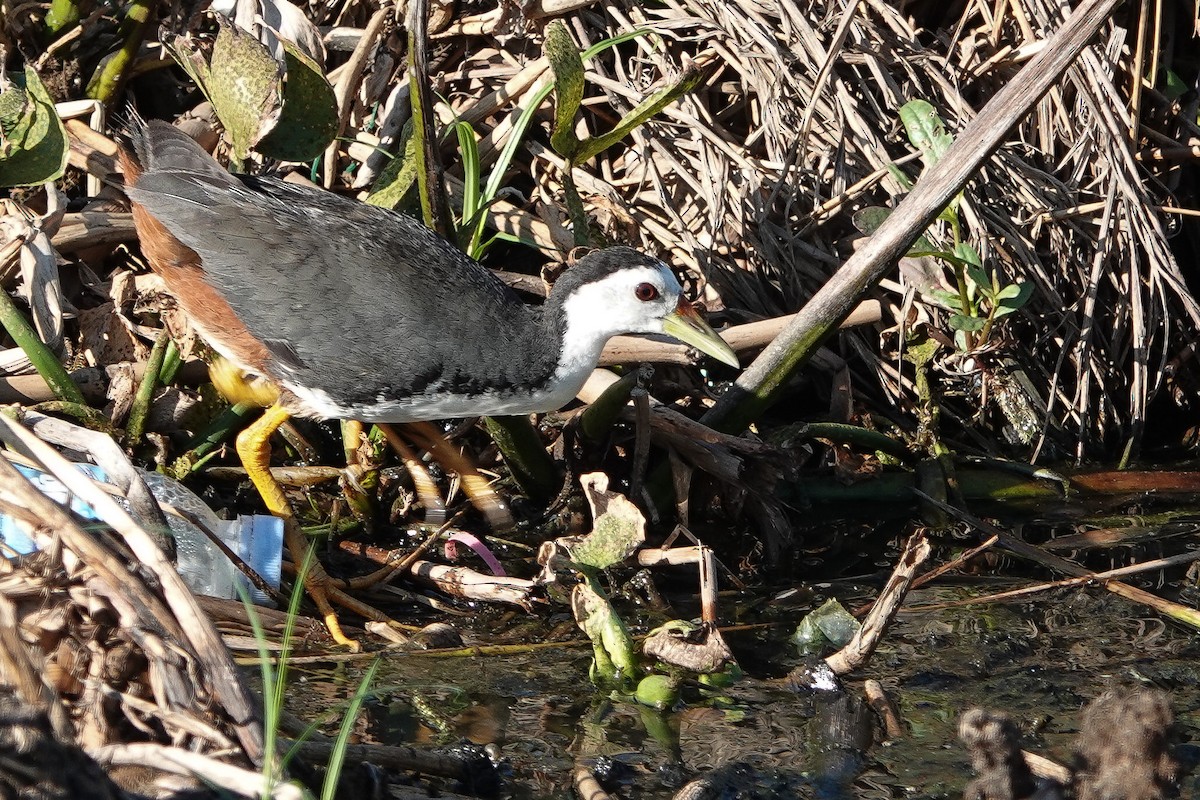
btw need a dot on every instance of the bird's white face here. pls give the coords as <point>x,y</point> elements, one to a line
<point>640,298</point>
<point>636,299</point>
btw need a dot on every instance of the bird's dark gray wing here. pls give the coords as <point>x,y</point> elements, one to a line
<point>354,300</point>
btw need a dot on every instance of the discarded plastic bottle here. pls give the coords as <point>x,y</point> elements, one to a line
<point>257,539</point>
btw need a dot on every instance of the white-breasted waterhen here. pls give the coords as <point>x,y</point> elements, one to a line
<point>354,312</point>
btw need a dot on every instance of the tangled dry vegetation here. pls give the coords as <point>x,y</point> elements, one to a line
<point>753,181</point>
<point>756,183</point>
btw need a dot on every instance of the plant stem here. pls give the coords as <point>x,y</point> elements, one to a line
<point>106,82</point>
<point>44,361</point>
<point>523,451</point>
<point>145,393</point>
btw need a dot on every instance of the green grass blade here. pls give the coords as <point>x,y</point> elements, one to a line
<point>333,769</point>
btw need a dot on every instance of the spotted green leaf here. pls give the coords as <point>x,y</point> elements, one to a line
<point>308,121</point>
<point>657,101</point>
<point>567,66</point>
<point>33,142</point>
<point>925,130</point>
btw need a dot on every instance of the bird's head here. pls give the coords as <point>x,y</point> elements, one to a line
<point>619,290</point>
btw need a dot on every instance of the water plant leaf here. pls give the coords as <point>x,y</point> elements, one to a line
<point>399,175</point>
<point>567,66</point>
<point>689,78</point>
<point>618,531</point>
<point>187,54</point>
<point>33,142</point>
<point>308,120</point>
<point>659,692</point>
<point>612,645</point>
<point>279,21</point>
<point>696,648</point>
<point>830,625</point>
<point>241,80</point>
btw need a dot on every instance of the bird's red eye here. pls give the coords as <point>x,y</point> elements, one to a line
<point>646,292</point>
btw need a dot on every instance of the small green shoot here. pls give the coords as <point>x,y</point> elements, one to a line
<point>567,64</point>
<point>274,683</point>
<point>981,298</point>
<point>333,769</point>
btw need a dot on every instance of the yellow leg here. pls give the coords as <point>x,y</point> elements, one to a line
<point>253,446</point>
<point>477,488</point>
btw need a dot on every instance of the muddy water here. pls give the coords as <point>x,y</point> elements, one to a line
<point>1039,660</point>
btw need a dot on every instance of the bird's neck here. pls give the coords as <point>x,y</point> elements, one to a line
<point>581,336</point>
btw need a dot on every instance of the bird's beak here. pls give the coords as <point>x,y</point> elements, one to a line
<point>685,325</point>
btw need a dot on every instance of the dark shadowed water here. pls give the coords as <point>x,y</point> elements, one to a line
<point>1039,660</point>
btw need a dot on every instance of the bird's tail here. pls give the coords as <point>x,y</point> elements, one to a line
<point>157,146</point>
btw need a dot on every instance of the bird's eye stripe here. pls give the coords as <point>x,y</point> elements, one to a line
<point>646,292</point>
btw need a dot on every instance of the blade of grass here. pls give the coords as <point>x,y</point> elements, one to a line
<point>516,136</point>
<point>333,769</point>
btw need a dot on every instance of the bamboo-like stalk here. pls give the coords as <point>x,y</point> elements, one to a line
<point>106,82</point>
<point>44,361</point>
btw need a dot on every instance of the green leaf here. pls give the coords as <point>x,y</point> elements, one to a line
<point>244,87</point>
<point>969,255</point>
<point>1012,290</point>
<point>399,175</point>
<point>309,117</point>
<point>469,151</point>
<point>950,213</point>
<point>831,625</point>
<point>659,692</point>
<point>868,219</point>
<point>945,299</point>
<point>900,176</point>
<point>616,535</point>
<point>33,142</point>
<point>187,55</point>
<point>924,248</point>
<point>341,745</point>
<point>612,646</point>
<point>1174,86</point>
<point>959,322</point>
<point>688,79</point>
<point>524,116</point>
<point>1013,297</point>
<point>925,130</point>
<point>980,278</point>
<point>567,66</point>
